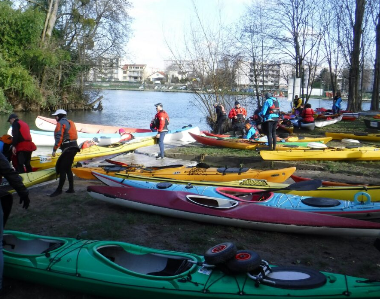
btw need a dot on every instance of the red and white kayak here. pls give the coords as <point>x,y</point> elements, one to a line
<point>48,124</point>
<point>232,212</point>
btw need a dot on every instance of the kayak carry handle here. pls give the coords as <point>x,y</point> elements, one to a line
<point>365,194</point>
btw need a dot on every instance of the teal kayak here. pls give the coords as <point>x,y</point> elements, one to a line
<point>120,270</point>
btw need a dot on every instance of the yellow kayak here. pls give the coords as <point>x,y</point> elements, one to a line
<point>196,173</point>
<point>216,174</point>
<point>337,192</point>
<point>358,136</point>
<point>43,162</point>
<point>368,153</point>
<point>32,178</point>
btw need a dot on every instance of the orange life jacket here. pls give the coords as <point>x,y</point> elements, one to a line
<point>65,130</point>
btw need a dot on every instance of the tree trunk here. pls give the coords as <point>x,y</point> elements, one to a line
<point>354,104</point>
<point>52,19</point>
<point>376,80</point>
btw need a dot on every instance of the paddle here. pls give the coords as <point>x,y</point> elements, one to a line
<point>300,186</point>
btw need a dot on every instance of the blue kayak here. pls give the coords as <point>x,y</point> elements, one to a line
<point>353,209</point>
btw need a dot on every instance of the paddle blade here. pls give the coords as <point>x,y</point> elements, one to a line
<point>305,185</point>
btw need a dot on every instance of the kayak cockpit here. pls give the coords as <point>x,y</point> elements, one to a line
<point>30,246</point>
<point>212,202</point>
<point>245,194</point>
<point>153,264</point>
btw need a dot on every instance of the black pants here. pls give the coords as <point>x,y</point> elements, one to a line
<point>63,167</point>
<point>23,159</point>
<point>269,128</point>
<point>219,125</point>
<point>238,127</point>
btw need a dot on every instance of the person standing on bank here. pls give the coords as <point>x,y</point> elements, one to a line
<point>221,117</point>
<point>238,115</point>
<point>66,136</point>
<point>161,122</point>
<point>22,144</point>
<point>6,200</point>
<point>336,103</point>
<point>270,114</point>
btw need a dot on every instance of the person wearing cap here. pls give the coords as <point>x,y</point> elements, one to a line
<point>22,144</point>
<point>66,136</point>
<point>160,123</point>
<point>221,117</point>
<point>270,114</point>
<point>238,115</point>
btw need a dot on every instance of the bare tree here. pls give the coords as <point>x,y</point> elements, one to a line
<point>297,33</point>
<point>208,50</point>
<point>255,45</point>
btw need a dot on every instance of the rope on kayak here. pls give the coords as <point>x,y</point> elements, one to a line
<point>206,288</point>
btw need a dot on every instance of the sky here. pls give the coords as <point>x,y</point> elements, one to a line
<point>157,20</point>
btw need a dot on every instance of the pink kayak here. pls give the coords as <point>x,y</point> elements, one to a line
<point>48,124</point>
<point>232,212</point>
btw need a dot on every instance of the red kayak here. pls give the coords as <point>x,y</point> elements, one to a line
<point>232,212</point>
<point>298,179</point>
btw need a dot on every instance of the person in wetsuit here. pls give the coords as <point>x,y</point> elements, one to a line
<point>238,115</point>
<point>270,114</point>
<point>65,135</point>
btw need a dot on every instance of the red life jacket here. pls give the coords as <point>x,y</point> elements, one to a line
<point>26,145</point>
<point>161,121</point>
<point>275,108</point>
<point>308,114</point>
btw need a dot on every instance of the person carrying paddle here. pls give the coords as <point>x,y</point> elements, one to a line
<point>66,136</point>
<point>221,117</point>
<point>237,116</point>
<point>6,200</point>
<point>22,144</point>
<point>270,114</point>
<point>161,122</point>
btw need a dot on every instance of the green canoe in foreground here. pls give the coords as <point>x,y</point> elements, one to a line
<point>122,270</point>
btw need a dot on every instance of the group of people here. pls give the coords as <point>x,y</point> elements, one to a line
<point>306,113</point>
<point>267,115</point>
<point>21,146</point>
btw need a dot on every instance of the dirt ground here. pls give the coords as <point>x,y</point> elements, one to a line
<point>72,214</point>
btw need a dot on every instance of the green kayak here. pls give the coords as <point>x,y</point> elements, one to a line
<point>121,270</point>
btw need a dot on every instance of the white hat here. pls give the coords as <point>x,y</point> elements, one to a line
<point>59,111</point>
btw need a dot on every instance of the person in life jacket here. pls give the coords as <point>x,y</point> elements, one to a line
<point>221,117</point>
<point>252,131</point>
<point>160,123</point>
<point>65,135</point>
<point>22,144</point>
<point>238,115</point>
<point>270,114</point>
<point>307,115</point>
<point>297,105</point>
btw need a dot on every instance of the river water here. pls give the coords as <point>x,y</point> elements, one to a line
<point>136,109</point>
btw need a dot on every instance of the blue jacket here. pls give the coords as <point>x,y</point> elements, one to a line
<point>338,102</point>
<point>266,116</point>
<point>251,133</point>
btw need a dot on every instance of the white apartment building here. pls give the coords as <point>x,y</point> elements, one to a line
<point>106,69</point>
<point>133,73</point>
